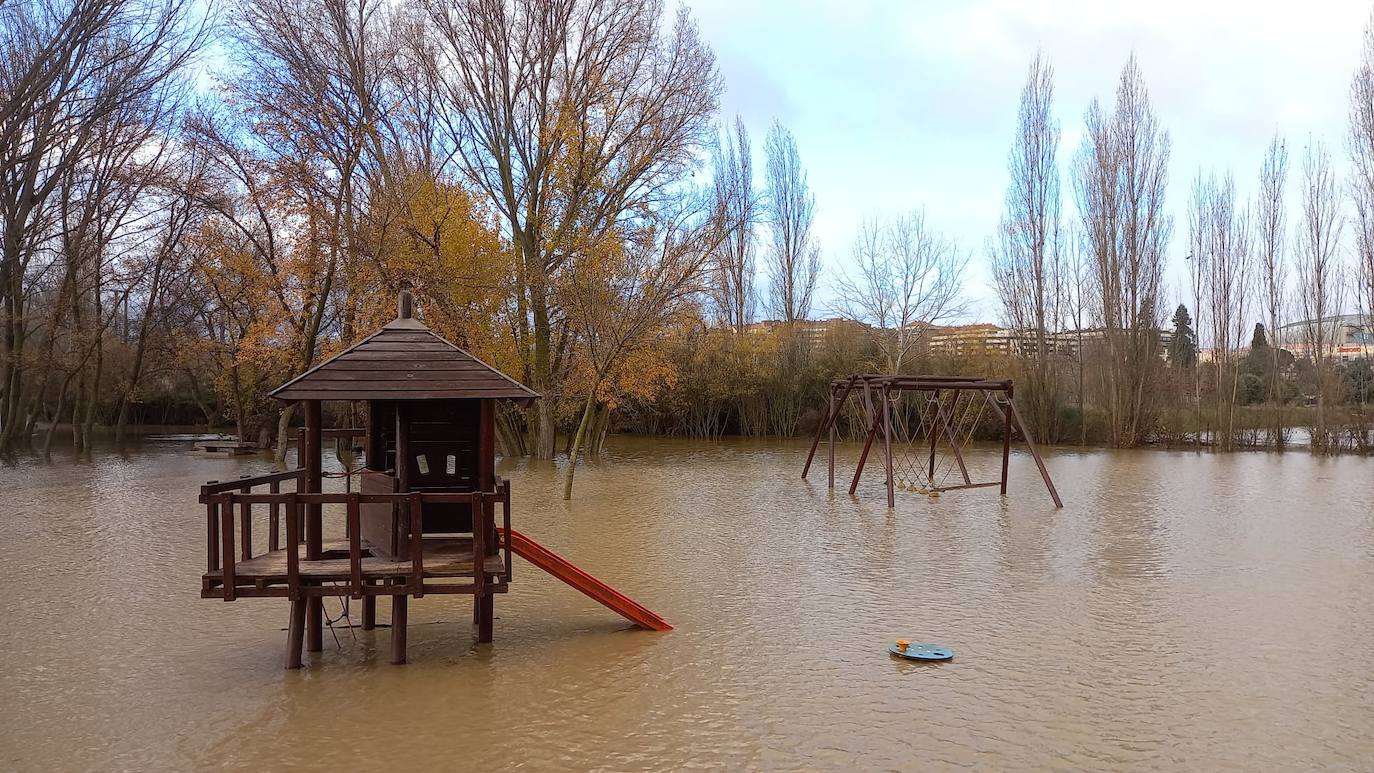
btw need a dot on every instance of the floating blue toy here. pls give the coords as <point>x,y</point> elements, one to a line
<point>926,652</point>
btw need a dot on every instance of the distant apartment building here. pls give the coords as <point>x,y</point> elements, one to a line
<point>987,337</point>
<point>983,337</point>
<point>956,340</point>
<point>813,331</point>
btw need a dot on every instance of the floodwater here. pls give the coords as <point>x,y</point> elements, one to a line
<point>1183,611</point>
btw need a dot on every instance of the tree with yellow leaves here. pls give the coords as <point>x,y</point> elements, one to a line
<point>623,293</point>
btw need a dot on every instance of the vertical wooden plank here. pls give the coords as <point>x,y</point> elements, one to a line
<point>355,547</point>
<point>226,530</point>
<point>314,527</point>
<point>486,448</point>
<point>295,635</point>
<point>211,535</point>
<point>246,528</point>
<point>415,509</point>
<point>293,547</point>
<point>402,469</point>
<point>505,508</point>
<point>479,542</point>
<point>274,519</point>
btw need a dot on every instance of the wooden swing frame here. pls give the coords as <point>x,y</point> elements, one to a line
<point>884,388</point>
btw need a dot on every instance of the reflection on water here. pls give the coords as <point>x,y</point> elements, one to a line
<point>1183,611</point>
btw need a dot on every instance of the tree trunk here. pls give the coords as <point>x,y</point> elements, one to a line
<point>545,429</point>
<point>283,432</point>
<point>577,443</point>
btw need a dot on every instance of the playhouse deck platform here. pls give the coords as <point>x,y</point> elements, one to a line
<point>268,574</point>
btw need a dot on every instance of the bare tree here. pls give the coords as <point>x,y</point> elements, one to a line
<point>908,280</point>
<point>1270,225</point>
<point>1026,256</point>
<point>1361,144</point>
<point>1319,273</point>
<point>789,210</point>
<point>570,115</point>
<point>1120,177</point>
<point>66,67</point>
<point>736,209</point>
<point>1221,233</point>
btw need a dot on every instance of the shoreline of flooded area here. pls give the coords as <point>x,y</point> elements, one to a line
<point>1183,611</point>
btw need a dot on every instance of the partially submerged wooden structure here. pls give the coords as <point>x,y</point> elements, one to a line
<point>424,519</point>
<point>925,423</point>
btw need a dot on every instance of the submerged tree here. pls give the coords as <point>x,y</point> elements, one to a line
<point>1270,227</point>
<point>625,293</point>
<point>1221,240</point>
<point>1319,273</point>
<point>1120,176</point>
<point>84,84</point>
<point>1025,256</point>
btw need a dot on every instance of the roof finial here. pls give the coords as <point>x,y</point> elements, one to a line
<point>405,305</point>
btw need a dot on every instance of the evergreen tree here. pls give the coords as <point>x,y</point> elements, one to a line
<point>1259,341</point>
<point>1183,346</point>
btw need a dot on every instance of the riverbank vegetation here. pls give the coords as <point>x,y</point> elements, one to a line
<point>553,181</point>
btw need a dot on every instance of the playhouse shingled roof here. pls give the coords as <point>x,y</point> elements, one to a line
<point>403,361</point>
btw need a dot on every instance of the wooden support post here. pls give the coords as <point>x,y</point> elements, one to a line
<point>1035,454</point>
<point>930,476</point>
<point>826,423</point>
<point>1006,441</point>
<point>863,456</point>
<point>355,548</point>
<point>370,609</point>
<point>398,627</point>
<point>887,450</point>
<point>486,622</point>
<point>294,633</point>
<point>314,527</point>
<point>831,467</point>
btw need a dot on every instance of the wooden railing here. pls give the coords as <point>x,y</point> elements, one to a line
<point>225,550</point>
<point>243,485</point>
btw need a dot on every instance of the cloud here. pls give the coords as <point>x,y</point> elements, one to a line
<point>898,105</point>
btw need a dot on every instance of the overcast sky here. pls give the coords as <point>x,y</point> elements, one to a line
<point>897,105</point>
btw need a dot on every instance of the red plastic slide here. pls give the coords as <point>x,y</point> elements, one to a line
<point>559,567</point>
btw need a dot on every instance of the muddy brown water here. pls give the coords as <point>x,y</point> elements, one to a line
<point>1183,611</point>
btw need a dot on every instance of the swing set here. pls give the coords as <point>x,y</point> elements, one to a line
<point>925,423</point>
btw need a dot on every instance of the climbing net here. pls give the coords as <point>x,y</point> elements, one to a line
<point>930,430</point>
